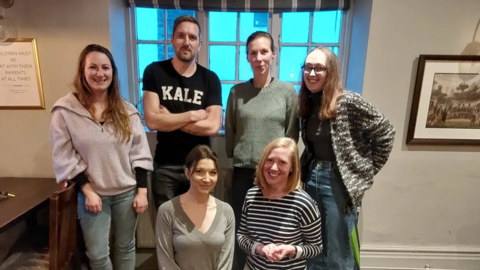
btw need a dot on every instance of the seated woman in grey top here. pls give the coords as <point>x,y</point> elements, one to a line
<point>195,231</point>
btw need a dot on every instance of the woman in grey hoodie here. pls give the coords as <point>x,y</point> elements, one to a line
<point>99,143</point>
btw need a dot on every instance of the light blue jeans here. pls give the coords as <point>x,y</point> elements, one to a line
<point>327,189</point>
<point>119,212</point>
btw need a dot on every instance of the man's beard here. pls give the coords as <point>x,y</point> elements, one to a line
<point>185,58</point>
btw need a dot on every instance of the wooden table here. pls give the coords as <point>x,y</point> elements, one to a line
<point>29,193</point>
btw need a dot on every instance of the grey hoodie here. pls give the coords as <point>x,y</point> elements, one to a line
<point>82,144</point>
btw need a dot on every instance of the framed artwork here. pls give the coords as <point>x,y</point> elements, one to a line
<point>446,101</point>
<point>20,78</point>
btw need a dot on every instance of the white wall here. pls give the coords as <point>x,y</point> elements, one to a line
<point>426,198</point>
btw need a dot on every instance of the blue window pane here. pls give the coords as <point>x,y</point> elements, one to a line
<point>252,22</point>
<point>225,93</point>
<point>297,88</point>
<point>245,71</point>
<point>171,51</point>
<point>139,105</point>
<point>291,61</point>
<point>148,53</point>
<point>222,26</point>
<point>149,23</point>
<point>295,27</point>
<point>222,61</point>
<point>327,26</point>
<point>172,14</point>
<point>333,48</point>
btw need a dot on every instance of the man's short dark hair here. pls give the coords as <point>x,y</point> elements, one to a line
<point>186,18</point>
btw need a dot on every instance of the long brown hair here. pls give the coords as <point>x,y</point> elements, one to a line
<point>332,89</point>
<point>293,181</point>
<point>116,110</point>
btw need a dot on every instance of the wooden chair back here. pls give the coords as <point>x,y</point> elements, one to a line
<point>63,229</point>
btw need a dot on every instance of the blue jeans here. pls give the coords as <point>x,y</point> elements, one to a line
<point>119,212</point>
<point>327,189</point>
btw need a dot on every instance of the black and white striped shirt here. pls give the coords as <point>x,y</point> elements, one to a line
<point>292,220</point>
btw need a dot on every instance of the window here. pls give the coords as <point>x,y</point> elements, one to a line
<point>302,31</point>
<point>227,35</point>
<point>224,35</point>
<point>152,30</point>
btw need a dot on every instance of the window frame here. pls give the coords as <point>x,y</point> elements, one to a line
<point>137,74</point>
<point>238,44</point>
<point>274,28</point>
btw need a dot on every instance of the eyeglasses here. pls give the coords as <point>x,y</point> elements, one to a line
<point>317,69</point>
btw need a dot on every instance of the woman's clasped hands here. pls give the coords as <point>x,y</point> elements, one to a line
<point>275,253</point>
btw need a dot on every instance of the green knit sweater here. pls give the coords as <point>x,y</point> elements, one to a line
<point>256,116</point>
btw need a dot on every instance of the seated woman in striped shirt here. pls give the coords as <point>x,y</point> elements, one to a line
<point>280,224</point>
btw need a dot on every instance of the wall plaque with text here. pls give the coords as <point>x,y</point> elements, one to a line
<point>20,77</point>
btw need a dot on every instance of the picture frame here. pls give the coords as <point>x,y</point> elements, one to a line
<point>446,101</point>
<point>20,77</point>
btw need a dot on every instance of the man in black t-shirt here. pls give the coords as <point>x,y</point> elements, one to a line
<point>183,103</point>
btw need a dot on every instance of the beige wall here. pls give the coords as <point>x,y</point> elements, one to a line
<point>436,188</point>
<point>62,29</point>
<point>425,199</point>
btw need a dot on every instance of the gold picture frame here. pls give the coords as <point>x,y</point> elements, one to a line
<point>21,85</point>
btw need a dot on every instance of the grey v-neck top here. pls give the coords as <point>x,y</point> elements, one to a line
<point>181,246</point>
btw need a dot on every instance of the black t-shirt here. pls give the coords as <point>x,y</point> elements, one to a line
<point>180,94</point>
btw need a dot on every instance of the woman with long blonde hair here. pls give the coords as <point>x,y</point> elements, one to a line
<point>280,223</point>
<point>347,141</point>
<point>99,143</point>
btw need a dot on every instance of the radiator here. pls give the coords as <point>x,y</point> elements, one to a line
<point>146,221</point>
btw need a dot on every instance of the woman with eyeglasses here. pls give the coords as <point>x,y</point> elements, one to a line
<point>347,141</point>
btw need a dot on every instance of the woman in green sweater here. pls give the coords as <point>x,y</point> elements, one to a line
<point>258,111</point>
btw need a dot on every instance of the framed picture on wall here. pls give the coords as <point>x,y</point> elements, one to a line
<point>446,101</point>
<point>20,78</point>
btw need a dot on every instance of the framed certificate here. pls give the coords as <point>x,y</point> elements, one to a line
<point>20,77</point>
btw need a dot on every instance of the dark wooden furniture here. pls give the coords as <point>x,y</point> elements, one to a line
<point>63,230</point>
<point>30,194</point>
